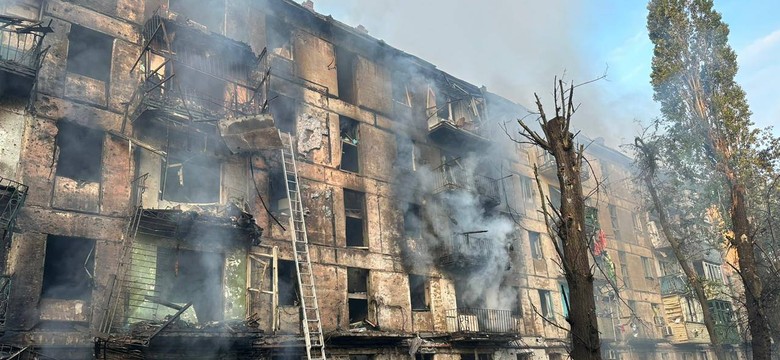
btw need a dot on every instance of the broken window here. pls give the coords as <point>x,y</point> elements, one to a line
<point>277,191</point>
<point>406,153</point>
<point>419,290</point>
<point>345,74</point>
<point>357,294</point>
<point>354,212</point>
<point>624,268</point>
<point>401,94</point>
<point>279,37</point>
<point>613,216</point>
<point>444,107</point>
<point>546,303</point>
<point>565,299</point>
<point>555,197</point>
<point>89,53</point>
<point>534,238</point>
<point>288,283</point>
<point>412,222</point>
<point>349,132</point>
<point>185,276</point>
<point>526,190</point>
<point>191,177</point>
<point>68,268</point>
<point>80,152</point>
<point>283,110</point>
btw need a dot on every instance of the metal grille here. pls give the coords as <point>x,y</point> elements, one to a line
<point>472,320</point>
<point>20,48</point>
<point>12,195</point>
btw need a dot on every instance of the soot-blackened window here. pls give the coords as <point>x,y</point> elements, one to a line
<point>354,216</point>
<point>357,294</point>
<point>185,276</point>
<point>349,132</point>
<point>283,110</point>
<point>419,292</point>
<point>288,283</point>
<point>68,268</point>
<point>413,222</point>
<point>345,74</point>
<point>89,53</point>
<point>191,177</point>
<point>277,191</point>
<point>80,152</point>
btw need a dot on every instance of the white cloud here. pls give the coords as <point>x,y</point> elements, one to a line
<point>759,48</point>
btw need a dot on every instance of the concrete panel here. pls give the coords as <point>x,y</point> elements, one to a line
<point>12,123</point>
<point>84,89</point>
<point>390,293</point>
<point>372,86</point>
<point>118,172</point>
<point>315,60</point>
<point>76,195</point>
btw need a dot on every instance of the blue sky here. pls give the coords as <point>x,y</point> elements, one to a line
<point>515,48</point>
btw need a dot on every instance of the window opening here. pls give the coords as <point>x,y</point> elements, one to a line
<point>546,304</point>
<point>283,110</point>
<point>80,152</point>
<point>345,74</point>
<point>68,268</point>
<point>536,245</point>
<point>288,283</point>
<point>191,177</point>
<point>354,211</point>
<point>419,289</point>
<point>349,131</point>
<point>357,294</point>
<point>185,276</point>
<point>89,53</point>
<point>413,222</point>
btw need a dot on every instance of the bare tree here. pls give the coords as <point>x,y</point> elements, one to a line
<point>568,221</point>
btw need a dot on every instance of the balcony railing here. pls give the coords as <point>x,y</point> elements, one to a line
<point>451,176</point>
<point>548,167</point>
<point>20,45</point>
<point>465,251</point>
<point>5,292</point>
<point>12,195</point>
<point>673,284</point>
<point>488,321</point>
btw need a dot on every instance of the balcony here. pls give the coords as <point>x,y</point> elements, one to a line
<point>465,252</point>
<point>673,284</point>
<point>456,134</point>
<point>12,195</point>
<point>5,293</point>
<point>198,78</point>
<point>452,177</point>
<point>547,166</point>
<point>483,321</point>
<point>20,52</point>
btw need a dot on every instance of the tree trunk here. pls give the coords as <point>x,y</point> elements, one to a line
<point>742,241</point>
<point>571,230</point>
<point>690,273</point>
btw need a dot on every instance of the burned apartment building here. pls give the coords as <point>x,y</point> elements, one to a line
<point>252,179</point>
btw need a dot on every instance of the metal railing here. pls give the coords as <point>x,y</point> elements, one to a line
<point>451,176</point>
<point>673,284</point>
<point>465,251</point>
<point>5,293</point>
<point>20,48</point>
<point>490,321</point>
<point>548,167</point>
<point>12,195</point>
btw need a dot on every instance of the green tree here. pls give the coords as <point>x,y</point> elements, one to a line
<point>706,125</point>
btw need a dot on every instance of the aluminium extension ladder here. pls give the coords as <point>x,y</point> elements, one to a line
<point>312,326</point>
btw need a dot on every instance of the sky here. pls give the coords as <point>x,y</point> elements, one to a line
<point>517,47</point>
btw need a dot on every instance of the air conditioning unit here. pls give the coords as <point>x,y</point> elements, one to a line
<point>668,331</point>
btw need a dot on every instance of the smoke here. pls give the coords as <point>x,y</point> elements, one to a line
<point>516,48</point>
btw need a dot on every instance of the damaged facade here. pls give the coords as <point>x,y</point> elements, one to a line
<point>255,180</point>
